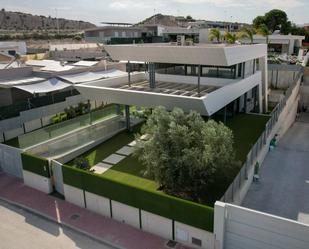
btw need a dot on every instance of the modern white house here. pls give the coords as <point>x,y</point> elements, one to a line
<point>282,44</point>
<point>208,78</point>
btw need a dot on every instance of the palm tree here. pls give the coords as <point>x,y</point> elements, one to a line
<point>264,31</point>
<point>247,32</point>
<point>230,37</point>
<point>215,34</point>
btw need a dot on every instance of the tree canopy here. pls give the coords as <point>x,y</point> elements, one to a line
<point>274,20</point>
<point>278,20</point>
<point>183,153</point>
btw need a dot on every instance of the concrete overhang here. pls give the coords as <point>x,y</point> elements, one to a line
<point>200,54</point>
<point>207,104</point>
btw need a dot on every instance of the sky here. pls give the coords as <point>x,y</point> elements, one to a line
<point>133,11</point>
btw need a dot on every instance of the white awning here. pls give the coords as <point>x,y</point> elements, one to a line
<point>45,86</point>
<point>91,76</point>
<point>41,63</point>
<point>22,81</point>
<point>85,63</point>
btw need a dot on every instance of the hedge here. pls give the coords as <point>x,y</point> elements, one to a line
<point>35,164</point>
<point>156,202</point>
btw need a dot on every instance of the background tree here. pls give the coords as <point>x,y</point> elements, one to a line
<point>264,31</point>
<point>215,34</point>
<point>274,20</point>
<point>183,152</point>
<point>258,21</point>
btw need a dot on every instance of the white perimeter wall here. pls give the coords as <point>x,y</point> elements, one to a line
<point>98,204</point>
<point>139,219</point>
<point>38,182</point>
<point>185,234</point>
<point>156,224</point>
<point>125,214</point>
<point>74,195</point>
<point>244,228</point>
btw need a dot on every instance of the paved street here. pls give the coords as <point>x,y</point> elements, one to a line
<point>284,178</point>
<point>22,230</point>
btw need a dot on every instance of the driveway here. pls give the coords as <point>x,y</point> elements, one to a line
<point>283,188</point>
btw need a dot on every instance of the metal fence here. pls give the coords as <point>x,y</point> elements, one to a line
<point>242,176</point>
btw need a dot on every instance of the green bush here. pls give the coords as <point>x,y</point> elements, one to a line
<point>35,164</point>
<point>156,202</point>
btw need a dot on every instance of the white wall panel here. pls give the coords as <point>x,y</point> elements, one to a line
<point>185,233</point>
<point>74,195</point>
<point>156,224</point>
<point>246,228</point>
<point>32,125</point>
<point>98,204</point>
<point>125,214</point>
<point>37,182</point>
<point>15,132</point>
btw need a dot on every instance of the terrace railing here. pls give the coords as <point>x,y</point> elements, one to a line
<point>248,166</point>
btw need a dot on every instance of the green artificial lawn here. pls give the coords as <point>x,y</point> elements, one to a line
<point>246,128</point>
<point>131,171</point>
<point>110,146</point>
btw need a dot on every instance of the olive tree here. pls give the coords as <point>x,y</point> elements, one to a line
<point>182,152</point>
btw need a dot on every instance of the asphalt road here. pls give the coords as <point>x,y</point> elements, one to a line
<point>283,189</point>
<point>20,229</point>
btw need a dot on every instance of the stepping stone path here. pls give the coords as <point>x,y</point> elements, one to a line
<point>132,144</point>
<point>115,158</point>
<point>100,168</point>
<point>125,150</point>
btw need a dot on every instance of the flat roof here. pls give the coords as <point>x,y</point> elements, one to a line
<point>102,28</point>
<point>197,54</point>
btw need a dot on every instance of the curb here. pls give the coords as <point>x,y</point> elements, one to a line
<point>62,224</point>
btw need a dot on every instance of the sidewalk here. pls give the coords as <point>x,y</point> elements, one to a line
<point>99,227</point>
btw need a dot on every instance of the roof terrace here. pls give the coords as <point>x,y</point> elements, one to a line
<point>170,88</point>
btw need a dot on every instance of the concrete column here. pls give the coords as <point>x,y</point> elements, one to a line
<point>128,120</point>
<point>245,102</point>
<point>199,80</point>
<point>291,47</point>
<point>129,73</point>
<point>260,96</point>
<point>152,75</point>
<point>219,224</point>
<point>264,70</point>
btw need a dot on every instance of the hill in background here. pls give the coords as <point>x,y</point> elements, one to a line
<point>17,21</point>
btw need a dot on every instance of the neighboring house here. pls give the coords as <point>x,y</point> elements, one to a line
<point>76,51</point>
<point>13,47</point>
<point>106,33</point>
<point>232,78</point>
<point>33,93</point>
<point>131,34</point>
<point>282,44</point>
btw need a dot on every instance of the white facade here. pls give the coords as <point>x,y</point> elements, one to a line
<point>213,94</point>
